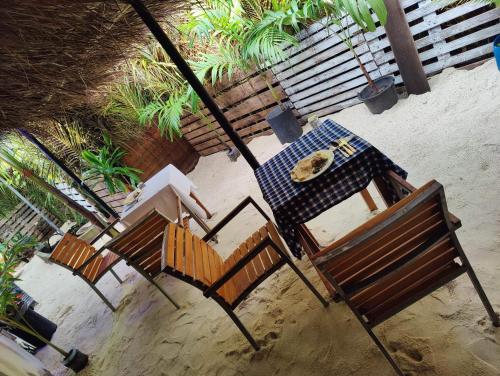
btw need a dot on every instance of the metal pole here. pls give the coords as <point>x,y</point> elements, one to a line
<point>31,206</point>
<point>68,172</point>
<point>191,78</point>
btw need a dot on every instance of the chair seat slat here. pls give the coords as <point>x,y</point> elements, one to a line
<point>188,246</point>
<point>179,250</point>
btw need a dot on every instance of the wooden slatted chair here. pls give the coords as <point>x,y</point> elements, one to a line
<point>180,253</point>
<point>397,258</point>
<point>140,245</point>
<point>228,281</point>
<point>85,261</point>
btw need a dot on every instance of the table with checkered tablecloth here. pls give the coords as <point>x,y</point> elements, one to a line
<point>296,203</point>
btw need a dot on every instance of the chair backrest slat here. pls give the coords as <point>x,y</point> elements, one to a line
<point>141,244</point>
<point>439,255</point>
<point>137,243</point>
<point>402,245</point>
<point>136,231</point>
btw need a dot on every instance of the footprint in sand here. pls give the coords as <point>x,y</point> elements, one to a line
<point>413,354</point>
<point>487,350</point>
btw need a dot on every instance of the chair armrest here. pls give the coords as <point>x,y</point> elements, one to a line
<point>395,178</point>
<point>248,200</point>
<point>259,247</point>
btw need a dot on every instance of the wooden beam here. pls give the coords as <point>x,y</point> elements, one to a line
<point>403,46</point>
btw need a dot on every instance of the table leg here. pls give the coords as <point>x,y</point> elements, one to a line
<point>198,220</point>
<point>311,247</point>
<point>200,204</point>
<point>178,205</point>
<point>368,200</point>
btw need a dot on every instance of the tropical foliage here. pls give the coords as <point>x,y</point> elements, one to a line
<point>10,255</point>
<point>107,164</point>
<point>227,36</point>
<point>18,155</point>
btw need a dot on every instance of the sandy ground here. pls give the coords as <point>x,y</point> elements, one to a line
<point>450,134</point>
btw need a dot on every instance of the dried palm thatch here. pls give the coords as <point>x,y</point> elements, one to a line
<point>57,54</point>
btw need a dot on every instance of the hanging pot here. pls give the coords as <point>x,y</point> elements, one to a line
<point>284,124</point>
<point>381,99</point>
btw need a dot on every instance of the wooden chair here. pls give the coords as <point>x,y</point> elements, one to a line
<point>140,246</point>
<point>180,253</point>
<point>85,261</point>
<point>397,258</point>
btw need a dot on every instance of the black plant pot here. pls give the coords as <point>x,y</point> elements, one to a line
<point>284,124</point>
<point>76,360</point>
<point>233,154</point>
<point>40,324</point>
<point>382,98</point>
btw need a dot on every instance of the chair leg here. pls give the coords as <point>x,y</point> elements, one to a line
<point>240,326</point>
<point>482,295</point>
<point>475,282</point>
<point>163,292</point>
<point>116,276</point>
<point>384,351</point>
<point>367,197</point>
<point>106,301</point>
<point>299,273</point>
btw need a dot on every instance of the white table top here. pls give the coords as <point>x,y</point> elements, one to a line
<point>159,192</point>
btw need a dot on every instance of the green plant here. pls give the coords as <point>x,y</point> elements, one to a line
<point>228,36</point>
<point>10,256</point>
<point>107,164</point>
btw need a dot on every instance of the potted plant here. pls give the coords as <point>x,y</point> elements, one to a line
<point>107,164</point>
<point>380,93</point>
<point>9,311</point>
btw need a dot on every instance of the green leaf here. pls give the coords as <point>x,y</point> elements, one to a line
<point>380,10</point>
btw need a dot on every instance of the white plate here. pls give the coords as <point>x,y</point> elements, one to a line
<point>323,169</point>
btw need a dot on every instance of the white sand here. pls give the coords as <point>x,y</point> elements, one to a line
<point>450,134</point>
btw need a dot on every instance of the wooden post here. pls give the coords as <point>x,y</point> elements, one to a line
<point>403,46</point>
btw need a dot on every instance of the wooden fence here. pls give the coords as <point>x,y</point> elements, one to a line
<point>321,75</point>
<point>245,102</point>
<point>25,221</point>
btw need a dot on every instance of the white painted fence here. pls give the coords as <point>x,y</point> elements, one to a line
<point>321,75</point>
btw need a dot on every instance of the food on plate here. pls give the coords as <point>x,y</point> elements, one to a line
<point>310,166</point>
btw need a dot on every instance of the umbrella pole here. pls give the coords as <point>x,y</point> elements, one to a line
<point>191,78</point>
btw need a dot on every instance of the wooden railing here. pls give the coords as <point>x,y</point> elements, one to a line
<point>25,221</point>
<point>245,102</point>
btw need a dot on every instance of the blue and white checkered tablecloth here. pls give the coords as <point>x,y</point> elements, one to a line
<point>296,203</point>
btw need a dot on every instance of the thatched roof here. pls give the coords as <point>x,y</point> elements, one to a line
<point>56,54</point>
